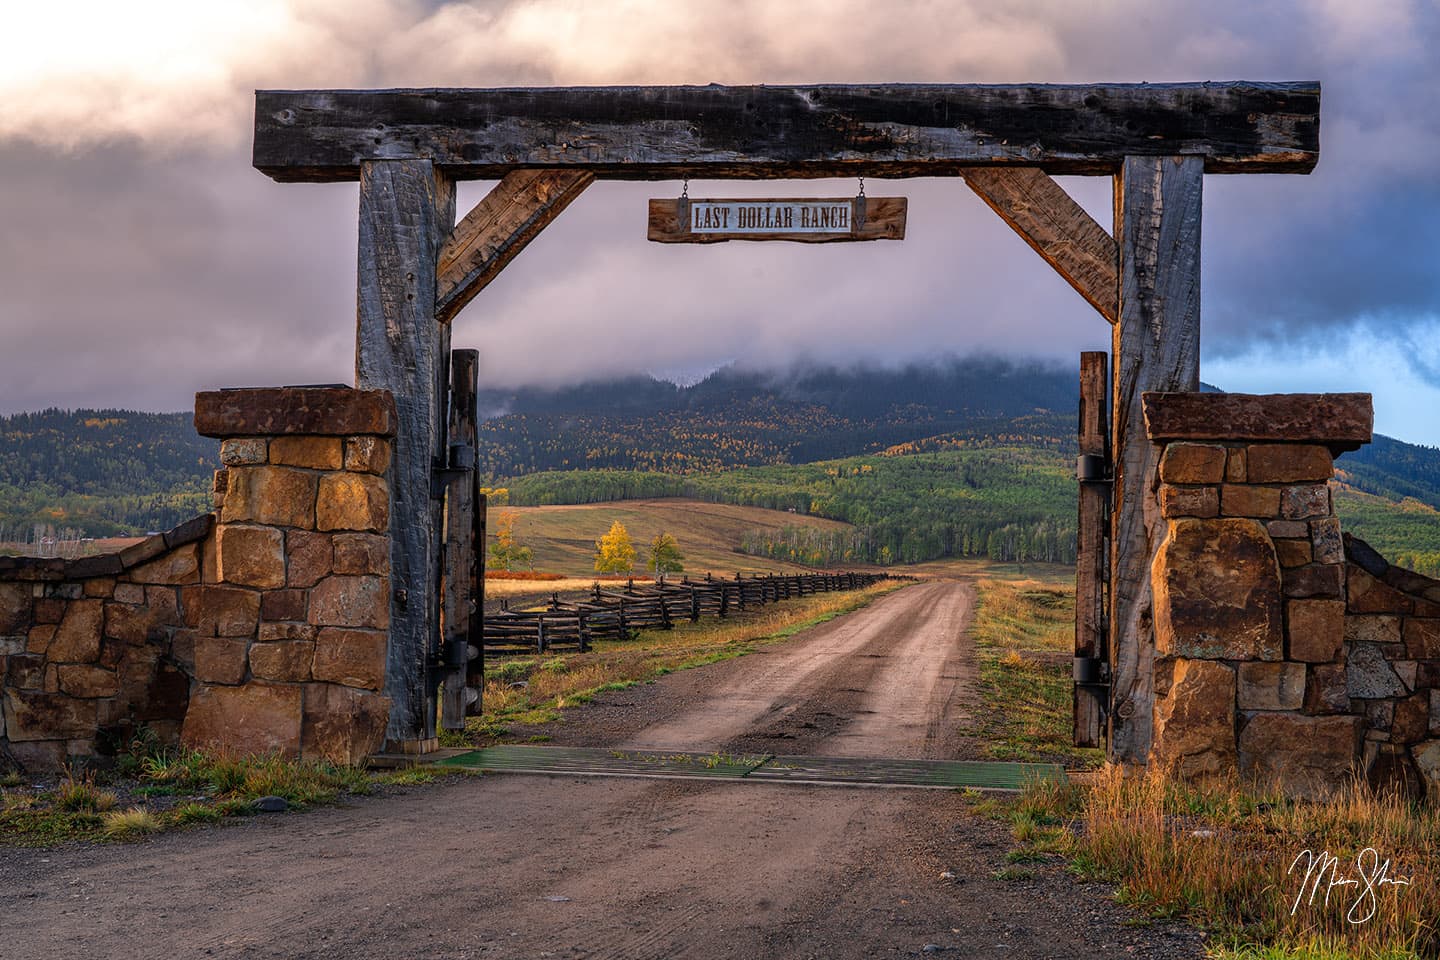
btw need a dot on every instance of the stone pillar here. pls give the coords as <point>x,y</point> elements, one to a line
<point>1250,587</point>
<point>290,633</point>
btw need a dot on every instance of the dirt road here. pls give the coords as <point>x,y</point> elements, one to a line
<point>517,866</point>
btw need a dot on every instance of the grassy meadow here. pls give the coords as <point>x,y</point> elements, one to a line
<point>563,537</point>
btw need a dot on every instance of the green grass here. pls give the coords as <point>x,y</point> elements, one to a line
<point>82,795</point>
<point>1024,637</point>
<point>227,787</point>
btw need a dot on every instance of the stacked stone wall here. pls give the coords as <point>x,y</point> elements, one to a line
<point>259,629</point>
<point>92,650</point>
<point>1392,639</point>
<point>1284,651</point>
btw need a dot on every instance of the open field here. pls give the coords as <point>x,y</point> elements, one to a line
<point>563,537</point>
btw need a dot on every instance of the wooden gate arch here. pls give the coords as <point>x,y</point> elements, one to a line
<point>418,267</point>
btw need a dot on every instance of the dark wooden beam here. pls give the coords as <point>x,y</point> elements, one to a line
<point>501,225</point>
<point>1156,347</point>
<point>407,208</point>
<point>1056,227</point>
<point>756,132</point>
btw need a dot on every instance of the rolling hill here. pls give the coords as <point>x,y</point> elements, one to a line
<point>563,537</point>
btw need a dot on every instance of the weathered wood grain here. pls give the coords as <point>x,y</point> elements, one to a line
<point>501,225</point>
<point>715,131</point>
<point>475,674</point>
<point>884,220</point>
<point>407,208</point>
<point>1342,421</point>
<point>1156,347</point>
<point>1091,555</point>
<point>460,546</point>
<point>1056,227</point>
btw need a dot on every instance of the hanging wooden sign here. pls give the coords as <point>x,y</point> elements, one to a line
<point>686,220</point>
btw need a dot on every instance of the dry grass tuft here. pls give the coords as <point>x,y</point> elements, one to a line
<point>130,824</point>
<point>1233,861</point>
<point>82,796</point>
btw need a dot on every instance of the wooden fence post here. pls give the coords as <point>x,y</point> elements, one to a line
<point>1156,347</point>
<point>407,208</point>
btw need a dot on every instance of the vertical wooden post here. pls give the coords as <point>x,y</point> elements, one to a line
<point>1091,556</point>
<point>1156,347</point>
<point>407,208</point>
<point>460,545</point>
<point>475,675</point>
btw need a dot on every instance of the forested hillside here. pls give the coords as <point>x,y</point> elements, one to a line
<point>970,458</point>
<point>735,419</point>
<point>101,472</point>
<point>1007,502</point>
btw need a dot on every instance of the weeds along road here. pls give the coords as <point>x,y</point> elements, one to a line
<point>524,866</point>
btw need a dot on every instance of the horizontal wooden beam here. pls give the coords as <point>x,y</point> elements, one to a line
<point>1057,228</point>
<point>497,229</point>
<point>759,132</point>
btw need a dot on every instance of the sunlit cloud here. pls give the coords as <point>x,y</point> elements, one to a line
<point>125,131</point>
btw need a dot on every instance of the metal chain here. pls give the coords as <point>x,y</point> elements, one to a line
<point>685,189</point>
<point>862,187</point>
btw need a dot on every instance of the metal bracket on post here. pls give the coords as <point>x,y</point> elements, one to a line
<point>1092,468</point>
<point>461,465</point>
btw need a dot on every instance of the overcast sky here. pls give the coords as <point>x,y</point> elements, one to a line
<point>142,258</point>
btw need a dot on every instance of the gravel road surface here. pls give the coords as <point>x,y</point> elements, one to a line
<point>526,866</point>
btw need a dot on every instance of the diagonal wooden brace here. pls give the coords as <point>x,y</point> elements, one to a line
<point>492,234</point>
<point>1058,228</point>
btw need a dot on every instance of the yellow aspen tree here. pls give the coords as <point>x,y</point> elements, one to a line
<point>614,553</point>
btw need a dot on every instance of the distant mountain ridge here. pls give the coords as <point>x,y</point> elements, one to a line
<point>982,387</point>
<point>110,472</point>
<point>738,418</point>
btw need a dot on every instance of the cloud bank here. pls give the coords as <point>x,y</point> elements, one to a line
<point>141,258</point>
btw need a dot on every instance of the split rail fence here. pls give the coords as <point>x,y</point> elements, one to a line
<point>616,612</point>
